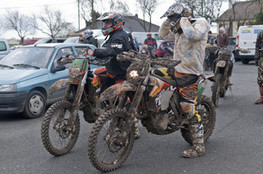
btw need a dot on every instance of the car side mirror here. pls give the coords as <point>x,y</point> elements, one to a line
<point>57,68</point>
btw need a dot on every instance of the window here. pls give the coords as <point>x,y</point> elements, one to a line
<point>81,50</point>
<point>63,52</point>
<point>2,46</point>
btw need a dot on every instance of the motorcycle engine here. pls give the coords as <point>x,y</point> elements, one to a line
<point>159,123</point>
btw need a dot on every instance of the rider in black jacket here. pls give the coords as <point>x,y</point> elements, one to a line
<point>117,43</point>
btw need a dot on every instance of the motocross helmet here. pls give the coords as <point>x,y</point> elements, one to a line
<point>175,12</point>
<point>88,33</point>
<point>116,19</point>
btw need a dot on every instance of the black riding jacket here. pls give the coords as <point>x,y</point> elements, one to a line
<point>91,40</point>
<point>116,44</point>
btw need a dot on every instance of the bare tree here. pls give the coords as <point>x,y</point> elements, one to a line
<point>88,12</point>
<point>147,7</point>
<point>13,20</point>
<point>119,6</point>
<point>204,8</point>
<point>51,23</point>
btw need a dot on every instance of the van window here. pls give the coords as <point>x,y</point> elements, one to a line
<point>2,46</point>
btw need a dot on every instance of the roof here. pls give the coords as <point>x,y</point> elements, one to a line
<point>132,24</point>
<point>243,10</point>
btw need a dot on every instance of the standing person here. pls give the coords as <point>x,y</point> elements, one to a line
<point>259,63</point>
<point>89,39</point>
<point>151,43</point>
<point>222,38</point>
<point>190,42</point>
<point>117,42</point>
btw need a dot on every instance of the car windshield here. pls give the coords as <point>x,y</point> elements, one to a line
<point>28,57</point>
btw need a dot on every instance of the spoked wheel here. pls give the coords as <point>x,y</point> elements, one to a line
<point>207,111</point>
<point>58,136</point>
<point>110,142</point>
<point>216,89</point>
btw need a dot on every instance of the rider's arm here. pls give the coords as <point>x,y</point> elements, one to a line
<point>196,31</point>
<point>115,47</point>
<point>165,32</point>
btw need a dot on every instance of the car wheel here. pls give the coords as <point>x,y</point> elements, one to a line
<point>245,61</point>
<point>35,105</point>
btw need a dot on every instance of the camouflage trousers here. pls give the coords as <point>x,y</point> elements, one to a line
<point>260,72</point>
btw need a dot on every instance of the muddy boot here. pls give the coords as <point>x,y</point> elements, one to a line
<point>260,100</point>
<point>136,131</point>
<point>198,148</point>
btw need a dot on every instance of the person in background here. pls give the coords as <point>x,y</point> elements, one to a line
<point>89,39</point>
<point>259,63</point>
<point>211,38</point>
<point>190,42</point>
<point>151,43</point>
<point>222,38</point>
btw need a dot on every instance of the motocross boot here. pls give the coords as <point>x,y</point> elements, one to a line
<point>197,132</point>
<point>260,100</point>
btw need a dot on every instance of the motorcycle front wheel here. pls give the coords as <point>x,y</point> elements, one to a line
<point>206,109</point>
<point>109,144</point>
<point>58,137</point>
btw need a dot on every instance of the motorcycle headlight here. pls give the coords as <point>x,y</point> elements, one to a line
<point>74,72</point>
<point>133,74</point>
<point>8,88</point>
<point>221,63</point>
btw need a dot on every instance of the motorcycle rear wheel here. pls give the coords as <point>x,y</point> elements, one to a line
<point>110,144</point>
<point>56,139</point>
<point>207,111</point>
<point>216,90</point>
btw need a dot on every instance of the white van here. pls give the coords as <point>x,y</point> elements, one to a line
<point>246,42</point>
<point>4,48</point>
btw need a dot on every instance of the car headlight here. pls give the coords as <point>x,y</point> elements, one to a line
<point>133,74</point>
<point>8,88</point>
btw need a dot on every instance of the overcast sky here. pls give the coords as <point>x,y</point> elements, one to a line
<point>70,11</point>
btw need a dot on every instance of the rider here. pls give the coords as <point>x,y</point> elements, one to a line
<point>190,42</point>
<point>259,63</point>
<point>117,43</point>
<point>89,39</point>
<point>151,43</point>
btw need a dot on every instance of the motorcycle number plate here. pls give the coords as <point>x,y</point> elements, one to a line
<point>221,63</point>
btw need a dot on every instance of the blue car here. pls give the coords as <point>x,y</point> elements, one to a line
<point>27,73</point>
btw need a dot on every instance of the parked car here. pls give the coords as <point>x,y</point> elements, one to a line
<point>161,51</point>
<point>28,72</point>
<point>246,42</point>
<point>50,40</point>
<point>72,40</point>
<point>4,48</point>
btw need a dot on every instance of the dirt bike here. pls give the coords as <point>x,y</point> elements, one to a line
<point>210,52</point>
<point>223,66</point>
<point>61,124</point>
<point>152,99</point>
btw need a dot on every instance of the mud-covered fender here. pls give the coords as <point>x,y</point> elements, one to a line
<point>58,85</point>
<point>115,90</point>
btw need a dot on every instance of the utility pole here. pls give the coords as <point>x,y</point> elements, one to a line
<point>202,7</point>
<point>78,16</point>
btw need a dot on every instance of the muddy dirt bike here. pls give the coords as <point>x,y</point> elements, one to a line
<point>61,124</point>
<point>223,66</point>
<point>152,99</point>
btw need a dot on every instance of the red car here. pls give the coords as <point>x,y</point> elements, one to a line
<point>161,51</point>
